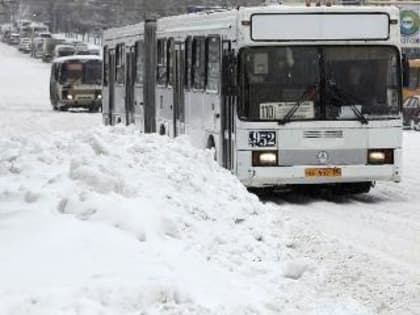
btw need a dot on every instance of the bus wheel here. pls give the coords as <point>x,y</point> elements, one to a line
<point>211,145</point>
<point>162,130</point>
<point>63,108</point>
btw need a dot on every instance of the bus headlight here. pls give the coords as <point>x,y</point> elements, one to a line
<point>381,156</point>
<point>69,96</point>
<point>99,96</point>
<point>264,158</point>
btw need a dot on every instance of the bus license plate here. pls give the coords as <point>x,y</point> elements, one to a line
<point>322,172</point>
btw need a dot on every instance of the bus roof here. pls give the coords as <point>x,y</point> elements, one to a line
<point>76,58</point>
<point>211,21</point>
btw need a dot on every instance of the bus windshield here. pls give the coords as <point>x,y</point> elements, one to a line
<point>320,83</point>
<point>88,72</point>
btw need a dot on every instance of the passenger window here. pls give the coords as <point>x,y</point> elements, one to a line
<point>161,62</point>
<point>120,63</point>
<point>188,63</point>
<point>170,58</point>
<point>198,56</point>
<point>105,66</point>
<point>139,61</point>
<point>213,63</point>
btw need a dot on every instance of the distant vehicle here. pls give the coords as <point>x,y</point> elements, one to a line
<point>14,39</point>
<point>49,48</point>
<point>63,50</point>
<point>75,81</point>
<point>5,36</point>
<point>25,45</point>
<point>37,47</point>
<point>45,35</point>
<point>33,30</point>
<point>411,112</point>
<point>94,51</point>
<point>82,49</point>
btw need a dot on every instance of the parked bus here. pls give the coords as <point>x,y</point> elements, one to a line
<point>75,81</point>
<point>285,96</point>
<point>63,50</point>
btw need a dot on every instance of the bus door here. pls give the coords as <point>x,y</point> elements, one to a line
<point>129,86</point>
<point>228,104</point>
<point>111,83</point>
<point>178,88</point>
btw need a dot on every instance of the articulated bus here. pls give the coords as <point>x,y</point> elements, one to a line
<point>284,95</point>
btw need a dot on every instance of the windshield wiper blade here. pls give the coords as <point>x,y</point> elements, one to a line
<point>287,118</point>
<point>344,98</point>
<point>359,114</point>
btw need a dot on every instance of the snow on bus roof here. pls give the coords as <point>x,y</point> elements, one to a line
<point>77,57</point>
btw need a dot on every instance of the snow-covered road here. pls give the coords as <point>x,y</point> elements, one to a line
<point>97,220</point>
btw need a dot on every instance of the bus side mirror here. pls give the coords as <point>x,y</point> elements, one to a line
<point>230,74</point>
<point>405,71</point>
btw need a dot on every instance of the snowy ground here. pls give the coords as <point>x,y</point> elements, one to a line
<point>97,220</point>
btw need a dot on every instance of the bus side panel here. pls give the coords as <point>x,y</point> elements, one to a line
<point>202,112</point>
<point>139,107</point>
<point>119,110</point>
<point>164,110</point>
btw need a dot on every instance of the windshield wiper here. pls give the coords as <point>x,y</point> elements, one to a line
<point>310,91</point>
<point>345,99</point>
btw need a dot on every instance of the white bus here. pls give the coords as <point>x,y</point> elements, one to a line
<point>284,95</point>
<point>75,81</point>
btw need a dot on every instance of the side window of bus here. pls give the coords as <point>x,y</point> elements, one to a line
<point>188,63</point>
<point>161,62</point>
<point>139,61</point>
<point>105,66</point>
<point>198,57</point>
<point>170,59</point>
<point>213,63</point>
<point>120,63</point>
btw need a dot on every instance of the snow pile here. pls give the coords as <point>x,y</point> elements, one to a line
<point>108,221</point>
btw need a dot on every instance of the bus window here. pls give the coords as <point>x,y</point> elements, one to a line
<point>139,61</point>
<point>161,62</point>
<point>105,67</point>
<point>213,63</point>
<point>88,72</point>
<point>198,57</point>
<point>120,64</point>
<point>170,60</point>
<point>188,63</point>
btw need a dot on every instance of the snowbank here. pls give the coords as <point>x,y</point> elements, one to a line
<point>109,221</point>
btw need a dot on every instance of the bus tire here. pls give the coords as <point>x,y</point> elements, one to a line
<point>211,145</point>
<point>162,130</point>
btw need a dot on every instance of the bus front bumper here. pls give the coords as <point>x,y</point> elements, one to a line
<point>295,175</point>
